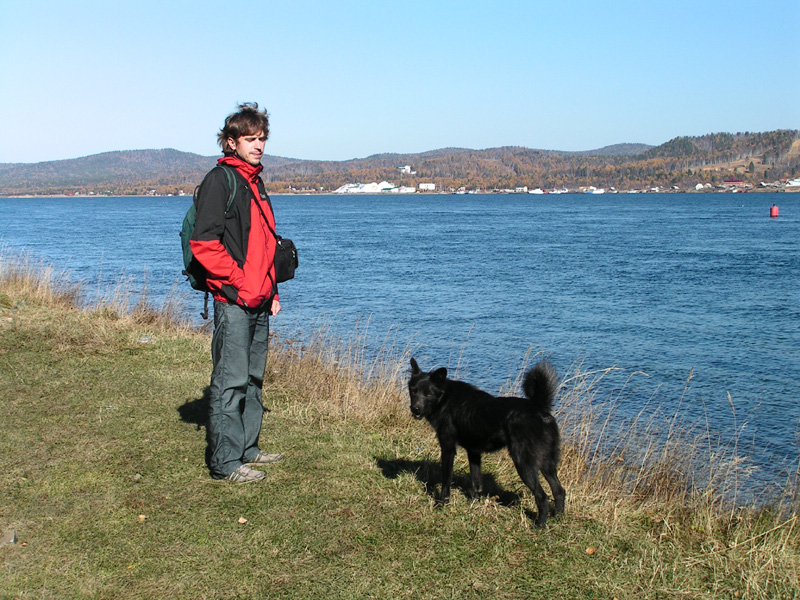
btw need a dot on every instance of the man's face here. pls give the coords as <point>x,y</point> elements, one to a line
<point>250,148</point>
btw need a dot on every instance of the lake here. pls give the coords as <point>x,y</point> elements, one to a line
<point>667,284</point>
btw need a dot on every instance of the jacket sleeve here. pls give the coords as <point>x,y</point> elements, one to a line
<point>206,241</point>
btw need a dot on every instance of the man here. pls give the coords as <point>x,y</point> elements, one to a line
<point>237,248</point>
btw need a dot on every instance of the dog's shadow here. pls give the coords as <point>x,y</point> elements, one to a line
<point>196,411</point>
<point>429,473</point>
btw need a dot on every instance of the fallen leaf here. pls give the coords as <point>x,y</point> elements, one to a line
<point>142,517</point>
<point>591,551</point>
<point>242,520</point>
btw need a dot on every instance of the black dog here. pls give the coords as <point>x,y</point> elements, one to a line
<point>463,415</point>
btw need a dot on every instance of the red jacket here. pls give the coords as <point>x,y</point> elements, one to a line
<point>236,247</point>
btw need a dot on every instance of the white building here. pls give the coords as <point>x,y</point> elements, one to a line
<point>427,187</point>
<point>369,188</point>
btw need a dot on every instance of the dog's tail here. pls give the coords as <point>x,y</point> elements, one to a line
<point>540,386</point>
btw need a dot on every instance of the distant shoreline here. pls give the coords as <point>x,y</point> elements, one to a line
<point>754,161</point>
<point>794,190</point>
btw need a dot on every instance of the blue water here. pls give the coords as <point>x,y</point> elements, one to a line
<point>672,285</point>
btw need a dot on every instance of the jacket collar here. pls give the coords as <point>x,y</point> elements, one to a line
<point>248,171</point>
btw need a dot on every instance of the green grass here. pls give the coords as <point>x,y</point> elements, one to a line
<point>103,479</point>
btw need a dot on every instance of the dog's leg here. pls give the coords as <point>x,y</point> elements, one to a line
<point>559,495</point>
<point>448,456</point>
<point>542,504</point>
<point>530,476</point>
<point>475,473</point>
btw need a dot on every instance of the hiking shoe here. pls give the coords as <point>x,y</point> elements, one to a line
<point>262,458</point>
<point>245,474</point>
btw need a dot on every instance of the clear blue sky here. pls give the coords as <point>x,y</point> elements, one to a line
<point>352,78</point>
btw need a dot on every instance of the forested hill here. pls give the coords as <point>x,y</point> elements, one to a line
<point>128,172</point>
<point>681,162</point>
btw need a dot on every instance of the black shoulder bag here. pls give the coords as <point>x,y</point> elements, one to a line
<point>285,251</point>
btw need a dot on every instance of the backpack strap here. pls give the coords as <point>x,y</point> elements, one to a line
<point>232,186</point>
<point>229,174</point>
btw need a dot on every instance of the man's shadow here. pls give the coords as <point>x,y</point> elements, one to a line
<point>196,411</point>
<point>430,473</point>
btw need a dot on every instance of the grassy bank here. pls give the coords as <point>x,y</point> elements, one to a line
<point>103,479</point>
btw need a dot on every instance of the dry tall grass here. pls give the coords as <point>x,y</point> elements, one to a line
<point>37,280</point>
<point>40,282</point>
<point>339,375</point>
<point>652,475</point>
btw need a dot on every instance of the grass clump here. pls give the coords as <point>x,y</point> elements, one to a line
<point>104,481</point>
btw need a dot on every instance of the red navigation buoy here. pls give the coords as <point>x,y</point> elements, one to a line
<point>773,212</point>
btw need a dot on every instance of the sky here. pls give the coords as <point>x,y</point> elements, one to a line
<point>351,78</point>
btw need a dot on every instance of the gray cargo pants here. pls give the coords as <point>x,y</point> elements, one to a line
<point>239,354</point>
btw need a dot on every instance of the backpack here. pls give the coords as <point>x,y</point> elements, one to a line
<point>195,272</point>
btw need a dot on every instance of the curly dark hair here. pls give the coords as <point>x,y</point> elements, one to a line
<point>248,120</point>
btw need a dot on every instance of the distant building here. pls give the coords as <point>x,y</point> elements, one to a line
<point>406,170</point>
<point>427,187</point>
<point>374,188</point>
<point>733,181</point>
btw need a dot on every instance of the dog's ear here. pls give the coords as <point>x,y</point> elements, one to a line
<point>414,367</point>
<point>439,375</point>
